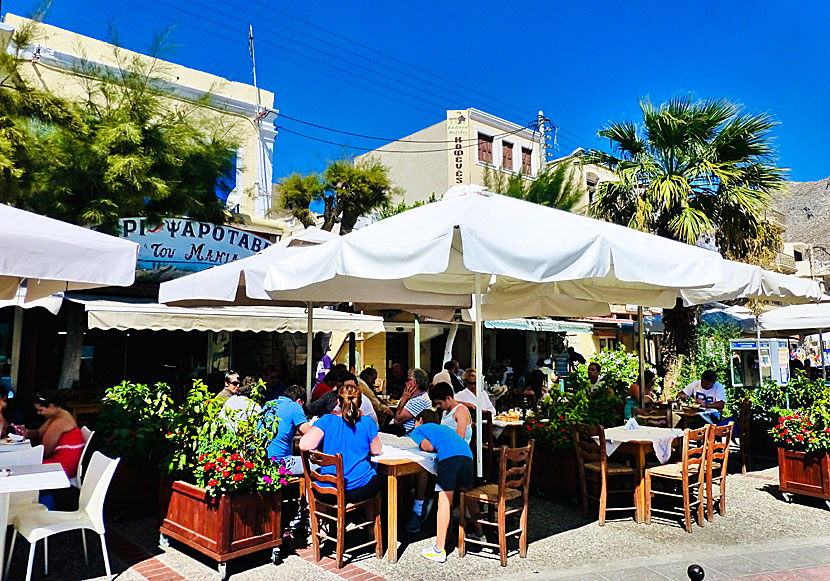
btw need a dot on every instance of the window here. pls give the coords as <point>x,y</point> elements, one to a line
<point>591,181</point>
<point>527,166</point>
<point>485,148</point>
<point>798,256</point>
<point>507,155</point>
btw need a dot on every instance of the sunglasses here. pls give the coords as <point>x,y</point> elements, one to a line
<point>234,382</point>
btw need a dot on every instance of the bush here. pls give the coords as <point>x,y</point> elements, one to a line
<point>804,424</point>
<point>619,369</point>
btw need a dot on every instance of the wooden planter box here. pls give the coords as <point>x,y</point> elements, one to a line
<point>223,528</point>
<point>805,473</point>
<point>555,473</point>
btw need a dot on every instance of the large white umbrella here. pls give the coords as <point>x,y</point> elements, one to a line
<point>473,241</point>
<point>814,318</point>
<point>52,256</point>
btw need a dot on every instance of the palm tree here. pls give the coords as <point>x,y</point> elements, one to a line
<point>554,187</point>
<point>691,168</point>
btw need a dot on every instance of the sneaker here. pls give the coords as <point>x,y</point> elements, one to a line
<point>414,525</point>
<point>477,537</point>
<point>433,554</point>
<point>426,508</point>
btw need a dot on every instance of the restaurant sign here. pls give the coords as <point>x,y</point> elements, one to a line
<point>458,136</point>
<point>179,246</point>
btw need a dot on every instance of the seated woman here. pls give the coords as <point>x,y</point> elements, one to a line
<point>62,440</point>
<point>353,435</point>
<point>632,401</point>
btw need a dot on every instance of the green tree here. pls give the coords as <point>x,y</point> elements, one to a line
<point>125,149</point>
<point>402,206</point>
<point>347,189</point>
<point>691,168</point>
<point>554,187</point>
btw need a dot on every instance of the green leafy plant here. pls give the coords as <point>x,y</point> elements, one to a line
<point>619,368</point>
<point>134,417</point>
<point>799,415</point>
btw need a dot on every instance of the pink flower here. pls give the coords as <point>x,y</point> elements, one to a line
<point>283,481</point>
<point>267,479</point>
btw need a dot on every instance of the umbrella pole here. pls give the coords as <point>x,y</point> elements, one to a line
<point>308,364</point>
<point>17,341</point>
<point>758,345</point>
<point>641,352</point>
<point>479,364</point>
<point>417,346</point>
<point>821,355</point>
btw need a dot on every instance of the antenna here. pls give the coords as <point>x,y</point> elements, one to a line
<point>253,63</point>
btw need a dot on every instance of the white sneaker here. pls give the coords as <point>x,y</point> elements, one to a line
<point>433,554</point>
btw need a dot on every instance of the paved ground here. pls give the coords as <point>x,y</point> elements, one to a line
<point>760,537</point>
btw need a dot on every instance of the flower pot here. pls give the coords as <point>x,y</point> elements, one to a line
<point>555,473</point>
<point>134,488</point>
<point>222,528</point>
<point>805,473</point>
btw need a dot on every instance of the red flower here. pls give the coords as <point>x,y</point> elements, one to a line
<point>225,473</point>
<point>213,482</point>
<point>239,468</point>
<point>202,457</point>
<point>249,465</point>
<point>238,477</point>
<point>234,456</point>
<point>208,466</point>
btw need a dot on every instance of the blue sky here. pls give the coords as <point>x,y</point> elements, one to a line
<point>584,64</point>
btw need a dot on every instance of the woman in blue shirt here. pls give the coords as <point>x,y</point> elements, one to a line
<point>352,435</point>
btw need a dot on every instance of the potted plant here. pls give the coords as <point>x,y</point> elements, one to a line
<point>224,500</point>
<point>131,425</point>
<point>803,438</point>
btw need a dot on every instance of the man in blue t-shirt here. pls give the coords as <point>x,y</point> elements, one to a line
<point>455,468</point>
<point>289,409</point>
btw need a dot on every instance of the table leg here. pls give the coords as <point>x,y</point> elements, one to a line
<point>514,434</point>
<point>392,515</point>
<point>640,488</point>
<point>4,517</point>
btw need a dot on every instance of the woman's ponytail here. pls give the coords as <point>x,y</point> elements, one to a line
<point>350,399</point>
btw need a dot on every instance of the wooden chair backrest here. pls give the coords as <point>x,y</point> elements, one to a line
<point>694,450</point>
<point>718,446</point>
<point>514,469</point>
<point>651,416</point>
<point>744,419</point>
<point>589,442</point>
<point>314,478</point>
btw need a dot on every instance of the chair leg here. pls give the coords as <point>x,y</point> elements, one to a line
<point>687,508</point>
<point>523,537</point>
<point>315,534</point>
<point>701,505</point>
<point>722,499</point>
<point>341,539</point>
<point>462,525</point>
<point>106,557</point>
<point>83,542</point>
<point>584,491</point>
<point>502,535</point>
<point>603,499</point>
<point>378,530</point>
<point>31,561</point>
<point>46,556</point>
<point>9,555</point>
<point>710,502</point>
<point>647,493</point>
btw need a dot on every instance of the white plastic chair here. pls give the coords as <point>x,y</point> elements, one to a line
<point>76,480</point>
<point>37,525</point>
<point>20,502</point>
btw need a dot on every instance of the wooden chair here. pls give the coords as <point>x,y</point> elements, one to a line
<point>593,465</point>
<point>321,509</point>
<point>717,458</point>
<point>690,474</point>
<point>655,417</point>
<point>514,484</point>
<point>744,419</point>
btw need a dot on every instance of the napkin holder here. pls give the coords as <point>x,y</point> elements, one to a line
<point>632,424</point>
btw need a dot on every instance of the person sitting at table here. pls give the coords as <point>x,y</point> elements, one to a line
<point>455,469</point>
<point>413,401</point>
<point>366,381</point>
<point>355,437</point>
<point>8,416</point>
<point>594,378</point>
<point>456,416</point>
<point>707,391</point>
<point>468,396</point>
<point>328,403</point>
<point>60,436</point>
<point>632,401</point>
<point>240,407</point>
<point>287,410</point>
<point>231,385</point>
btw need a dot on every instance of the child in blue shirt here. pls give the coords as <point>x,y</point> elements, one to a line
<point>455,468</point>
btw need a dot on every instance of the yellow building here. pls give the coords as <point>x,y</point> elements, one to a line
<point>60,57</point>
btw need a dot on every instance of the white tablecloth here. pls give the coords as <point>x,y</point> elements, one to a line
<point>14,447</point>
<point>499,425</point>
<point>398,448</point>
<point>660,438</point>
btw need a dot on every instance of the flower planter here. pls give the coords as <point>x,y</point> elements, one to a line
<point>223,528</point>
<point>805,473</point>
<point>555,473</point>
<point>134,488</point>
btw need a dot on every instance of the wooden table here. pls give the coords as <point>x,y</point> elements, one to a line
<point>24,479</point>
<point>638,450</point>
<point>393,469</point>
<point>510,430</point>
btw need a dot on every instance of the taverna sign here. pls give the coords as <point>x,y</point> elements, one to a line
<point>178,246</point>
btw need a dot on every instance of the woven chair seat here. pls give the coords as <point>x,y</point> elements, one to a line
<point>613,468</point>
<point>672,470</point>
<point>490,493</point>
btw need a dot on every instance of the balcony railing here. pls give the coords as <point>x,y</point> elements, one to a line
<point>785,262</point>
<point>776,218</point>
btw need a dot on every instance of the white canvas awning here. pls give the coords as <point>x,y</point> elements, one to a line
<point>143,315</point>
<point>551,325</point>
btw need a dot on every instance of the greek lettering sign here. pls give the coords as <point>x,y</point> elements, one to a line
<point>179,246</point>
<point>458,136</point>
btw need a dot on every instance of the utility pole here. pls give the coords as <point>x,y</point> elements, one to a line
<point>253,63</point>
<point>543,152</point>
<point>263,189</point>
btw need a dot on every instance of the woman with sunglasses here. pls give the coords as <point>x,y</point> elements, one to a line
<point>62,440</point>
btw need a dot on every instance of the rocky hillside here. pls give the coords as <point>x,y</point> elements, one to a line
<point>806,206</point>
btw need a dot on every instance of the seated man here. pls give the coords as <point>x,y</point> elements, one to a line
<point>288,408</point>
<point>455,469</point>
<point>707,391</point>
<point>594,377</point>
<point>468,395</point>
<point>240,407</point>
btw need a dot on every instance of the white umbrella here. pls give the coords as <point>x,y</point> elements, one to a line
<point>476,241</point>
<point>814,318</point>
<point>52,256</point>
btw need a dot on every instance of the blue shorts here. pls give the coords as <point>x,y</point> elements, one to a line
<point>454,471</point>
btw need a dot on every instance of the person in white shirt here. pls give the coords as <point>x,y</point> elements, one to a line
<point>593,375</point>
<point>707,391</point>
<point>468,396</point>
<point>240,407</point>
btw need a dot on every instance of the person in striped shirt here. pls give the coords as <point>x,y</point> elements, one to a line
<point>414,400</point>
